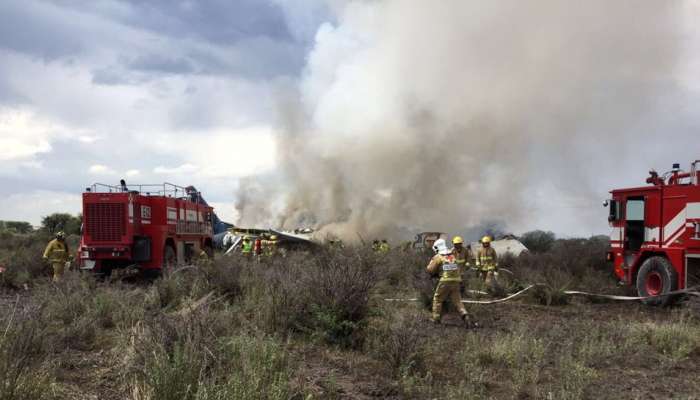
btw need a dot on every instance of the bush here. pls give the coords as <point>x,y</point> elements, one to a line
<point>198,357</point>
<point>21,255</point>
<point>538,241</point>
<point>24,374</point>
<point>398,340</point>
<point>325,294</point>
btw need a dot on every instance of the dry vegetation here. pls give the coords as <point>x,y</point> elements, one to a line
<point>316,326</point>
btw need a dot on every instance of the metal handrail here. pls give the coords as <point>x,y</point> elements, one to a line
<point>161,189</point>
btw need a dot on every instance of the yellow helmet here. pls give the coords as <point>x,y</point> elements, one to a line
<point>60,235</point>
<point>457,240</point>
<point>486,239</point>
<point>273,237</point>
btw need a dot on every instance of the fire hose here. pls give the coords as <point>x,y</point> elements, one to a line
<point>690,291</point>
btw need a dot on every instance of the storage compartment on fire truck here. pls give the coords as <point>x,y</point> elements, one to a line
<point>141,249</point>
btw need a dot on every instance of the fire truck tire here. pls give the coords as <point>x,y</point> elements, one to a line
<point>169,260</point>
<point>656,276</point>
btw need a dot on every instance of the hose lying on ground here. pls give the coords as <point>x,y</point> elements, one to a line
<point>690,291</point>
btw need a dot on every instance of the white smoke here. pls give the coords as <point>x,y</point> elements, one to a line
<point>440,115</point>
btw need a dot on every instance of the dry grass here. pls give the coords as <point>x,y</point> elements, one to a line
<point>315,326</point>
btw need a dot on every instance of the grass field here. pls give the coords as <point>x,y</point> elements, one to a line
<point>316,326</point>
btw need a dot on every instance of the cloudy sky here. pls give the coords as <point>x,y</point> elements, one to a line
<point>179,91</point>
<point>189,92</point>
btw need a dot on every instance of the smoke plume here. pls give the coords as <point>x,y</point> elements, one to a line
<point>422,115</point>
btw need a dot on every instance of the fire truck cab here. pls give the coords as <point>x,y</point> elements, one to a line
<point>153,227</point>
<point>655,238</point>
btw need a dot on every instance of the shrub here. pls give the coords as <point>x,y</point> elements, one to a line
<point>398,340</point>
<point>538,241</point>
<point>24,374</point>
<point>325,294</point>
<point>22,257</point>
<point>198,357</point>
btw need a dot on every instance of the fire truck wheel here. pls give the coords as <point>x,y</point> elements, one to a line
<point>655,277</point>
<point>169,260</point>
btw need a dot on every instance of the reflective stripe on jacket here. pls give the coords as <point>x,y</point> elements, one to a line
<point>486,259</point>
<point>463,257</point>
<point>57,251</point>
<point>450,271</point>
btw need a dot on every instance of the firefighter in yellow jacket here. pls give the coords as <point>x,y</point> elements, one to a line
<point>57,254</point>
<point>463,256</point>
<point>247,247</point>
<point>269,246</point>
<point>445,264</point>
<point>487,263</point>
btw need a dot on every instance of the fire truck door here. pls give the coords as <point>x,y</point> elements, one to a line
<point>675,219</point>
<point>634,224</point>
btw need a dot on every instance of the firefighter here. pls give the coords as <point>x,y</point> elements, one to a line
<point>487,263</point>
<point>247,246</point>
<point>58,255</point>
<point>270,246</point>
<point>445,264</point>
<point>257,247</point>
<point>375,245</point>
<point>463,256</point>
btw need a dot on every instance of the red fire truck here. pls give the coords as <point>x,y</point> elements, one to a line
<point>655,239</point>
<point>153,227</point>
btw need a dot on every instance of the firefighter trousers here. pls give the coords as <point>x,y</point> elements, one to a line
<point>58,270</point>
<point>489,278</point>
<point>447,291</point>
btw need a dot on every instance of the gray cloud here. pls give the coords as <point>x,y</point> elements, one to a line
<point>33,28</point>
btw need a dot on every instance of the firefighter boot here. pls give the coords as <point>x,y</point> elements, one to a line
<point>469,323</point>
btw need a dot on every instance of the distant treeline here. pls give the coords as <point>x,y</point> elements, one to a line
<point>51,224</point>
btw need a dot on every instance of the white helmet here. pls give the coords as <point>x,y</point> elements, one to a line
<point>440,247</point>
